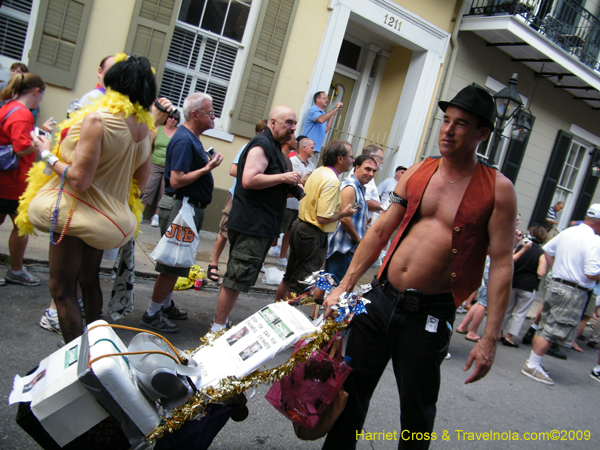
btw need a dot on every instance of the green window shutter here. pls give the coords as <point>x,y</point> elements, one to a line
<point>263,66</point>
<point>58,40</point>
<point>551,178</point>
<point>151,31</point>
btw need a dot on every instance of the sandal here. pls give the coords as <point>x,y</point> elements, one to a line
<point>212,274</point>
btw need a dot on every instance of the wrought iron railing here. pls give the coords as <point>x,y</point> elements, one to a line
<point>564,22</point>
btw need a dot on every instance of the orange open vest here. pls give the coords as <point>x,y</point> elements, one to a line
<point>470,237</point>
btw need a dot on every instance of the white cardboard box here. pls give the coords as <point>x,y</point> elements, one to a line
<point>60,405</point>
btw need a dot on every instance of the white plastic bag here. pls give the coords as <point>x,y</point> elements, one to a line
<point>273,276</point>
<point>178,247</point>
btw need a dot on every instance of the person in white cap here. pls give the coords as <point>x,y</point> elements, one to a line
<point>574,256</point>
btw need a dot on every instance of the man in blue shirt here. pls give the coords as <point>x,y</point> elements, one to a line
<point>317,121</point>
<point>187,174</point>
<point>350,231</point>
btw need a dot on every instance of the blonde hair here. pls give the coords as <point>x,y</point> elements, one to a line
<point>20,84</point>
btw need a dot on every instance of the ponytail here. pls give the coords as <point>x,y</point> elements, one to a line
<point>21,83</point>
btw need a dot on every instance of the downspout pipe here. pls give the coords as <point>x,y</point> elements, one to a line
<point>439,115</point>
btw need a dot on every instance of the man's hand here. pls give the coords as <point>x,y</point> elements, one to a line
<point>332,300</point>
<point>349,210</point>
<point>215,162</point>
<point>292,178</point>
<point>339,105</point>
<point>483,355</point>
<point>158,116</point>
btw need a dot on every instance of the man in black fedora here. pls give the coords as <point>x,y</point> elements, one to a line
<point>449,212</point>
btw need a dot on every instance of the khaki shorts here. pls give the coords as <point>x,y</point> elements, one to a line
<point>561,313</point>
<point>246,256</point>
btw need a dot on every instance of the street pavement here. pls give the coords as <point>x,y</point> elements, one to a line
<point>505,401</point>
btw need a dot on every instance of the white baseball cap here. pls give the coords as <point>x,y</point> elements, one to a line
<point>594,211</point>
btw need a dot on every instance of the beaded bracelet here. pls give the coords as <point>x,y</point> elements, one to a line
<point>56,209</point>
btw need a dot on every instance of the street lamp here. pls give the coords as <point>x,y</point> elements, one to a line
<point>523,125</point>
<point>508,102</point>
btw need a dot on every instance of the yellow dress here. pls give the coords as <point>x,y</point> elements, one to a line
<point>103,218</point>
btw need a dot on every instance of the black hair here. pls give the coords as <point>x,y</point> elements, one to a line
<point>133,77</point>
<point>334,150</point>
<point>361,159</point>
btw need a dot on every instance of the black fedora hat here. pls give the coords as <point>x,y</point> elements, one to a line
<point>476,101</point>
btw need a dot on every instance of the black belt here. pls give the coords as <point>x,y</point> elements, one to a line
<point>192,201</point>
<point>413,302</point>
<point>570,283</point>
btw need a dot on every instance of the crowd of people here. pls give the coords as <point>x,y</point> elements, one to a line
<point>456,210</point>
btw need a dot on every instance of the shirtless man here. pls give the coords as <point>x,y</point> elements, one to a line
<point>455,206</point>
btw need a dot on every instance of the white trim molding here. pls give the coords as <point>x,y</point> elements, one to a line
<point>429,44</point>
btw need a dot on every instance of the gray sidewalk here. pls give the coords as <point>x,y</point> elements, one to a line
<point>37,253</point>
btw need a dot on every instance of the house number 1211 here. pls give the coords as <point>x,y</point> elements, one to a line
<point>392,22</point>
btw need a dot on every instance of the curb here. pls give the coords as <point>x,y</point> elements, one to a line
<point>206,284</point>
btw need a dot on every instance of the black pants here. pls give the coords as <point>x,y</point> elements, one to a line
<point>387,332</point>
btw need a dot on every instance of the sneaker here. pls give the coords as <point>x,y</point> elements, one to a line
<point>228,326</point>
<point>528,338</point>
<point>2,281</point>
<point>173,312</point>
<point>154,221</point>
<point>26,279</point>
<point>461,310</point>
<point>158,322</point>
<point>263,269</point>
<point>595,375</point>
<point>555,352</point>
<point>448,356</point>
<point>50,323</point>
<point>275,251</point>
<point>537,373</point>
<point>592,344</point>
<point>281,262</point>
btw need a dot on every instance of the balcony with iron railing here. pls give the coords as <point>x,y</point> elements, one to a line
<point>563,22</point>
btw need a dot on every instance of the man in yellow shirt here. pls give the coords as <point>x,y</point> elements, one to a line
<point>318,215</point>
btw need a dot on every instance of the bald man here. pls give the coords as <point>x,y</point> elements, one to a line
<point>100,88</point>
<point>258,206</point>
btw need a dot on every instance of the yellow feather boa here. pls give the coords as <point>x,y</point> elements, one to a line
<point>115,103</point>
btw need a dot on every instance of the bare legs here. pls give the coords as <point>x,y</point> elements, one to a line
<point>16,244</point>
<point>472,320</point>
<point>225,303</point>
<point>70,261</point>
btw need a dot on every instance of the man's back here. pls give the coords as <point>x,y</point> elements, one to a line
<point>575,253</point>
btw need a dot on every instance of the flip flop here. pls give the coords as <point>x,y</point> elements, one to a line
<point>509,344</point>
<point>212,274</point>
<point>461,332</point>
<point>472,340</point>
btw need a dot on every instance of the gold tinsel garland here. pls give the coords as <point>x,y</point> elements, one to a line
<point>231,386</point>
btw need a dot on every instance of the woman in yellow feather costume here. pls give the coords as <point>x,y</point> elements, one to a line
<point>89,201</point>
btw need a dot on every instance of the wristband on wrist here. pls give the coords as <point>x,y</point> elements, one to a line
<point>51,160</point>
<point>45,154</point>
